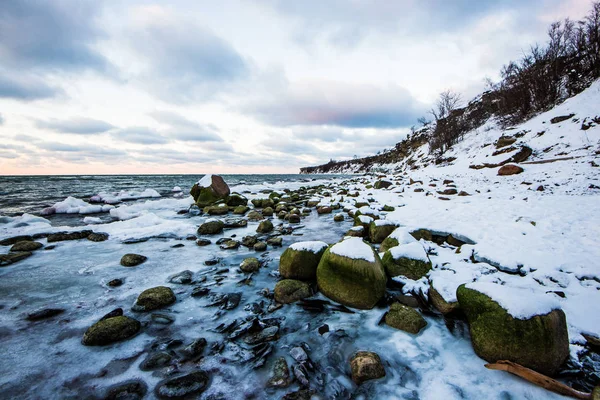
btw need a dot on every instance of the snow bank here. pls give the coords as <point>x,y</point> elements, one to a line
<point>354,248</point>
<point>313,247</point>
<point>126,212</point>
<point>521,303</point>
<point>71,205</point>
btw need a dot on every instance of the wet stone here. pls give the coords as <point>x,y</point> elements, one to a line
<point>162,319</point>
<point>26,246</point>
<point>230,245</point>
<point>200,291</point>
<point>194,349</point>
<point>97,237</point>
<point>115,282</point>
<point>182,386</point>
<point>260,246</point>
<point>11,258</point>
<point>62,236</point>
<point>212,261</point>
<point>44,313</point>
<point>275,241</point>
<point>15,239</point>
<point>131,260</point>
<point>266,335</point>
<point>182,278</point>
<point>178,246</point>
<point>117,312</point>
<point>280,375</point>
<point>130,390</point>
<point>156,360</point>
<point>203,242</point>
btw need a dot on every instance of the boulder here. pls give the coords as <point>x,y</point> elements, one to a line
<point>440,304</point>
<point>382,184</point>
<point>290,290</point>
<point>110,330</point>
<point>211,227</point>
<point>260,246</point>
<point>265,226</point>
<point>250,264</point>
<point>209,190</point>
<point>505,141</point>
<point>275,241</point>
<point>129,390</point>
<point>405,318</point>
<point>131,260</point>
<point>509,169</point>
<point>350,272</point>
<point>236,200</point>
<point>398,237</point>
<point>366,365</point>
<point>254,216</point>
<point>97,237</point>
<point>301,259</point>
<point>409,260</point>
<point>280,375</point>
<point>380,229</point>
<point>26,246</point>
<point>538,340</point>
<point>240,210</point>
<point>10,258</point>
<point>324,210</point>
<point>181,387</point>
<point>338,217</point>
<point>154,298</point>
<point>267,211</point>
<point>182,278</point>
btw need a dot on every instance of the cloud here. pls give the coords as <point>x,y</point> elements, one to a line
<point>184,60</point>
<point>183,129</point>
<point>77,125</point>
<point>25,86</point>
<point>337,103</point>
<point>1,120</point>
<point>79,152</point>
<point>140,135</point>
<point>56,35</point>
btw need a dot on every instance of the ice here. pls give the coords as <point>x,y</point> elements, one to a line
<point>72,205</point>
<point>354,248</point>
<point>123,195</point>
<point>176,189</point>
<point>520,302</point>
<point>125,212</point>
<point>413,251</point>
<point>312,246</point>
<point>92,220</point>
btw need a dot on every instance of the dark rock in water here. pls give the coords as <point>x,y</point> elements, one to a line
<point>62,236</point>
<point>266,335</point>
<point>110,330</point>
<point>11,258</point>
<point>178,246</point>
<point>26,246</point>
<point>300,373</point>
<point>135,240</point>
<point>117,312</point>
<point>200,291</point>
<point>223,240</point>
<point>115,282</point>
<point>365,366</point>
<point>154,298</point>
<point>275,241</point>
<point>303,394</point>
<point>97,237</point>
<point>323,329</point>
<point>212,261</point>
<point>182,386</point>
<point>226,301</point>
<point>250,265</point>
<point>265,226</point>
<point>203,242</point>
<point>51,247</point>
<point>235,223</point>
<point>290,290</point>
<point>182,278</point>
<point>166,344</point>
<point>15,239</point>
<point>211,227</point>
<point>405,318</point>
<point>156,360</point>
<point>44,313</point>
<point>194,349</point>
<point>230,245</point>
<point>130,390</point>
<point>294,219</point>
<point>249,241</point>
<point>163,319</point>
<point>215,190</point>
<point>280,375</point>
<point>260,246</point>
<point>301,263</point>
<point>131,260</point>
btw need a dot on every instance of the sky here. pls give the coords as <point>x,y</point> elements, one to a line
<point>237,86</point>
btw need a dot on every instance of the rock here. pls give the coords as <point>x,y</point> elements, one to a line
<point>156,360</point>
<point>11,258</point>
<point>44,313</point>
<point>522,155</point>
<point>183,386</point>
<point>462,193</point>
<point>231,223</point>
<point>194,349</point>
<point>380,229</point>
<point>209,190</point>
<point>15,239</point>
<point>365,366</point>
<point>505,141</point>
<point>440,303</point>
<point>97,237</point>
<point>409,260</point>
<point>300,260</point>
<point>250,264</point>
<point>356,231</point>
<point>131,260</point>
<point>324,210</point>
<point>302,394</point>
<point>240,210</point>
<point>236,200</point>
<point>267,334</point>
<point>338,217</point>
<point>280,375</point>
<point>220,209</point>
<point>254,216</point>
<point>561,118</point>
<point>249,241</point>
<point>540,342</point>
<point>117,312</point>
<point>260,246</point>
<point>230,245</point>
<point>26,246</point>
<point>382,184</point>
<point>405,318</point>
<point>62,236</point>
<point>267,211</point>
<point>275,241</point>
<point>293,219</point>
<point>265,226</point>
<point>200,291</point>
<point>130,390</point>
<point>509,169</point>
<point>349,279</point>
<point>110,330</point>
<point>182,278</point>
<point>282,214</point>
<point>154,298</point>
<point>203,242</point>
<point>424,234</point>
<point>115,282</point>
<point>448,192</point>
<point>211,227</point>
<point>289,291</point>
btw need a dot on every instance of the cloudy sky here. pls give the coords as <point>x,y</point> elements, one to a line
<point>266,86</point>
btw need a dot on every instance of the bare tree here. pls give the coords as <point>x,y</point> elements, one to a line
<point>447,102</point>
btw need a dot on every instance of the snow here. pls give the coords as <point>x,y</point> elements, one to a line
<point>92,220</point>
<point>521,303</point>
<point>206,181</point>
<point>71,205</point>
<point>383,222</point>
<point>312,246</point>
<point>413,251</point>
<point>124,195</point>
<point>125,212</point>
<point>364,219</point>
<point>402,235</point>
<point>354,248</point>
<point>176,189</point>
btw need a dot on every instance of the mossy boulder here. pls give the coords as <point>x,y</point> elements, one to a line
<point>220,209</point>
<point>356,231</point>
<point>254,216</point>
<point>211,227</point>
<point>250,264</point>
<point>131,260</point>
<point>409,260</point>
<point>240,210</point>
<point>405,318</point>
<point>338,217</point>
<point>154,298</point>
<point>382,184</point>
<point>365,366</point>
<point>235,200</point>
<point>300,260</point>
<point>540,342</point>
<point>265,226</point>
<point>110,330</point>
<point>267,212</point>
<point>438,301</point>
<point>380,229</point>
<point>351,273</point>
<point>290,290</point>
<point>209,190</point>
<point>26,245</point>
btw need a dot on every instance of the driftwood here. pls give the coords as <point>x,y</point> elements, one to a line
<point>538,379</point>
